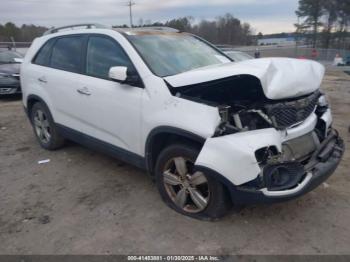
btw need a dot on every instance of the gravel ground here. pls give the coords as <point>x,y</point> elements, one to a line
<point>83,202</point>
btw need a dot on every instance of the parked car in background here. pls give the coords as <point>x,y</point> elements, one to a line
<point>9,72</point>
<point>211,132</point>
<point>238,56</point>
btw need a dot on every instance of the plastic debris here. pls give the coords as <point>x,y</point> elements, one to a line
<point>43,161</point>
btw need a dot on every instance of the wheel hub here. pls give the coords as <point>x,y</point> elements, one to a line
<point>187,188</point>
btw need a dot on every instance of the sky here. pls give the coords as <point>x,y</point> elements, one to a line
<point>266,16</point>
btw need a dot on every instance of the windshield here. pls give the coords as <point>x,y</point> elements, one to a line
<point>171,54</point>
<point>8,57</point>
<point>238,56</point>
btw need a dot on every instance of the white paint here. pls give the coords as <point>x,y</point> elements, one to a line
<point>118,73</point>
<point>280,77</point>
<point>234,155</point>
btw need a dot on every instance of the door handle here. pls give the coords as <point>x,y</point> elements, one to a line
<point>42,79</point>
<point>84,91</point>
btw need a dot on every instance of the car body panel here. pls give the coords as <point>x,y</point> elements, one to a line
<point>160,108</point>
<point>280,78</point>
<point>233,156</point>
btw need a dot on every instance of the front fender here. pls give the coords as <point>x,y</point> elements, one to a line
<point>233,156</point>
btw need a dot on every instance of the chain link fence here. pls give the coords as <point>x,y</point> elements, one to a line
<point>323,55</point>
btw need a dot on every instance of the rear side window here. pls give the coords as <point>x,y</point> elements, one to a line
<point>104,53</point>
<point>66,53</point>
<point>43,56</point>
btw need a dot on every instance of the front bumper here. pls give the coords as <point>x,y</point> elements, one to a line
<point>319,168</point>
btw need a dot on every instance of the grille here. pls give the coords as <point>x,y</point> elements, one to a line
<point>284,115</point>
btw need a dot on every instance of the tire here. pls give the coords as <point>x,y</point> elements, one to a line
<point>41,119</point>
<point>214,201</point>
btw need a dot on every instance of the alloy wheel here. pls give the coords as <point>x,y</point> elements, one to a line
<point>42,126</point>
<point>188,189</point>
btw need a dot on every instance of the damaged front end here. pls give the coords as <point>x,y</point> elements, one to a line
<point>270,159</point>
<point>266,149</point>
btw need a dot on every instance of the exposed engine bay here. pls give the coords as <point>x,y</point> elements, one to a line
<point>243,105</point>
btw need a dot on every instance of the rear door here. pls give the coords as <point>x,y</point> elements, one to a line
<point>62,79</point>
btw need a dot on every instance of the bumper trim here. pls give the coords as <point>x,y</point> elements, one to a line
<point>295,190</point>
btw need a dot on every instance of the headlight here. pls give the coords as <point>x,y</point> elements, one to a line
<point>322,101</point>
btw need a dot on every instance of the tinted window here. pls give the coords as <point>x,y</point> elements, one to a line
<point>43,56</point>
<point>66,53</point>
<point>104,53</point>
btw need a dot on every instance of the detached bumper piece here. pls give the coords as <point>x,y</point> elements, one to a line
<point>285,181</point>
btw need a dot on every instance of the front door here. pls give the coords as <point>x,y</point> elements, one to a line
<point>108,110</point>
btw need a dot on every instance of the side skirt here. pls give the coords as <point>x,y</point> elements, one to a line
<point>101,146</point>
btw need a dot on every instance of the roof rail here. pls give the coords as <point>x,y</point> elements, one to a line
<point>155,28</point>
<point>87,26</point>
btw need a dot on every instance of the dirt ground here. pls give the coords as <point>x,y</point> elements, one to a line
<point>83,202</point>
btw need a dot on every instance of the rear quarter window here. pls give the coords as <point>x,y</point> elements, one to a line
<point>43,56</point>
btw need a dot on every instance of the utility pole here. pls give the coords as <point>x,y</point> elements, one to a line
<point>130,4</point>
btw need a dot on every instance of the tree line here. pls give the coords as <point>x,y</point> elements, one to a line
<point>324,22</point>
<point>223,30</point>
<point>25,33</point>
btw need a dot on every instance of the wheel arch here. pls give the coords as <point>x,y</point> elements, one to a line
<point>163,136</point>
<point>31,100</point>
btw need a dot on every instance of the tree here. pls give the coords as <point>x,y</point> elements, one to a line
<point>25,33</point>
<point>11,30</point>
<point>182,24</point>
<point>344,21</point>
<point>331,13</point>
<point>311,11</point>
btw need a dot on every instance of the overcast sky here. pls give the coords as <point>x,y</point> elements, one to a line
<point>267,16</point>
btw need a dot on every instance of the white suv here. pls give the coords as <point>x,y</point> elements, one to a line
<point>210,131</point>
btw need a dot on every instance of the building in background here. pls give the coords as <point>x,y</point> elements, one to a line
<point>286,41</point>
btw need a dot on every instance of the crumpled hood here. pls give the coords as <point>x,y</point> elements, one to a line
<point>280,78</point>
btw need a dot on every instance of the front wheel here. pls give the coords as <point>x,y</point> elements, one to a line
<point>186,190</point>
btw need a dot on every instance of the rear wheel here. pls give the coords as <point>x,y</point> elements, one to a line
<point>186,190</point>
<point>44,127</point>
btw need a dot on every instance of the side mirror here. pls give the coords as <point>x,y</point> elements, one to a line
<point>18,60</point>
<point>118,73</point>
<point>122,75</point>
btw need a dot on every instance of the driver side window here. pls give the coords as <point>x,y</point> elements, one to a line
<point>104,53</point>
